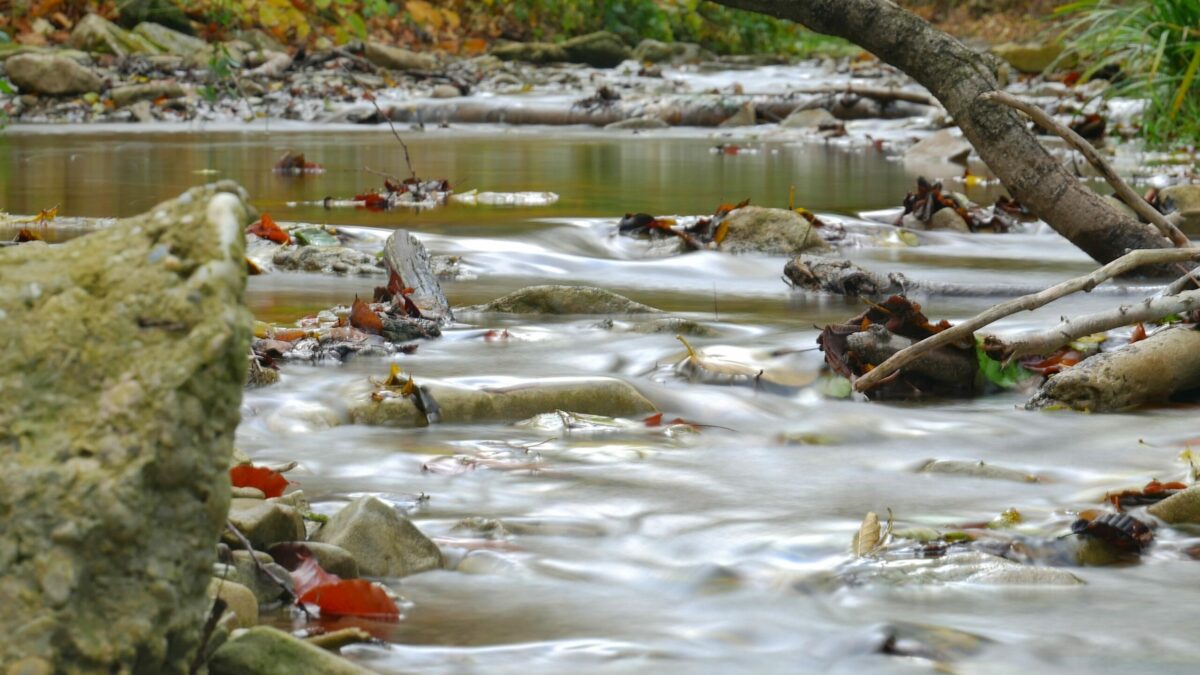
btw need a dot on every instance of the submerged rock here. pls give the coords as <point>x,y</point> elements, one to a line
<point>637,124</point>
<point>328,259</point>
<point>556,299</point>
<point>955,467</point>
<point>50,75</point>
<point>971,567</point>
<point>125,355</point>
<point>269,651</point>
<point>757,229</point>
<point>384,543</point>
<point>469,405</point>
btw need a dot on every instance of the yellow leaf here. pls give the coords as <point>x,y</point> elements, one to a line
<point>866,540</point>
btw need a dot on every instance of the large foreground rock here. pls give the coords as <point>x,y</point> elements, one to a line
<point>124,358</point>
<point>50,75</point>
<point>471,405</point>
<point>384,543</point>
<point>270,651</point>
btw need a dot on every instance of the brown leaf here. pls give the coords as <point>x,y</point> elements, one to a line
<point>364,318</point>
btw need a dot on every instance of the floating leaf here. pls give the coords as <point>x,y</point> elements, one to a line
<point>353,597</point>
<point>266,228</point>
<point>867,539</point>
<point>271,482</point>
<point>364,318</point>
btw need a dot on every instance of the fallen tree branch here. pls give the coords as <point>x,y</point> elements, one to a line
<point>961,331</point>
<point>1126,193</point>
<point>877,93</point>
<point>1046,341</point>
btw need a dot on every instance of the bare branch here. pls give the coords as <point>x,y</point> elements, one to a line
<point>1150,309</point>
<point>1126,193</point>
<point>407,157</point>
<point>1122,265</point>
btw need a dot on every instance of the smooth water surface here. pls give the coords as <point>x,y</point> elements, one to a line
<point>641,551</point>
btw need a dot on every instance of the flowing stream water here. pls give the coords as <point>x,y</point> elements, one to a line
<point>640,551</point>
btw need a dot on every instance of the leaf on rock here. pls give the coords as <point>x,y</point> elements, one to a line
<point>271,482</point>
<point>1139,333</point>
<point>364,318</point>
<point>266,228</point>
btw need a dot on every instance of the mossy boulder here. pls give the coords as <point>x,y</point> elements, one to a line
<point>125,353</point>
<point>757,229</point>
<point>558,299</point>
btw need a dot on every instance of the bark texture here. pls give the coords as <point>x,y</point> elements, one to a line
<point>957,76</point>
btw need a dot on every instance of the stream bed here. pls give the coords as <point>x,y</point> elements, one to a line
<point>705,550</point>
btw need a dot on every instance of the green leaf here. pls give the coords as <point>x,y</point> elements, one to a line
<point>357,25</point>
<point>1005,377</point>
<point>6,87</point>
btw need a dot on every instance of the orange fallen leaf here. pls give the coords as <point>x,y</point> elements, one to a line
<point>271,482</point>
<point>266,228</point>
<point>353,597</point>
<point>364,318</point>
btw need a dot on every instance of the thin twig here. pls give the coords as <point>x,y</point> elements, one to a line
<point>407,157</point>
<point>287,591</point>
<point>1127,262</point>
<point>214,616</point>
<point>1150,309</point>
<point>1127,195</point>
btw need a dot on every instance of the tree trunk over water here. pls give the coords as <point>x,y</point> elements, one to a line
<point>957,75</point>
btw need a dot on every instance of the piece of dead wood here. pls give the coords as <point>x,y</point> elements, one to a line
<point>1142,373</point>
<point>1126,193</point>
<point>962,331</point>
<point>1041,342</point>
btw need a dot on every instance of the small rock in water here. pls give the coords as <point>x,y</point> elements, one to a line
<point>557,299</point>
<point>384,543</point>
<point>756,229</point>
<point>239,599</point>
<point>263,650</point>
<point>976,470</point>
<point>445,91</point>
<point>264,522</point>
<point>1182,507</point>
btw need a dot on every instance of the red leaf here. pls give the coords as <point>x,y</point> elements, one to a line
<point>266,228</point>
<point>1139,333</point>
<point>272,483</point>
<point>372,201</point>
<point>1056,362</point>
<point>654,420</point>
<point>310,576</point>
<point>364,318</point>
<point>352,597</point>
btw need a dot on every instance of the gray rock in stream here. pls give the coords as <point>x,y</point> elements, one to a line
<point>475,405</point>
<point>757,229</point>
<point>563,300</point>
<point>384,543</point>
<point>326,259</point>
<point>269,651</point>
<point>125,354</point>
<point>50,75</point>
<point>264,522</point>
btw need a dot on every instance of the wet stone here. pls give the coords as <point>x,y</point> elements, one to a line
<point>384,543</point>
<point>264,522</point>
<point>269,651</point>
<point>563,300</point>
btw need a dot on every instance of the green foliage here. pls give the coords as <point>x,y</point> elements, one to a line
<point>1003,376</point>
<point>1156,45</point>
<point>716,27</point>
